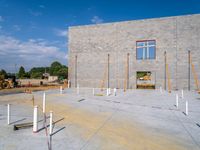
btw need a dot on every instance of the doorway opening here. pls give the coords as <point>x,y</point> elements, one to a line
<point>145,80</point>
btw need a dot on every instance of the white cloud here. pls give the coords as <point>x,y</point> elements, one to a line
<point>1,19</point>
<point>96,20</point>
<point>35,13</point>
<point>41,6</point>
<point>31,53</point>
<point>62,33</point>
<point>16,27</point>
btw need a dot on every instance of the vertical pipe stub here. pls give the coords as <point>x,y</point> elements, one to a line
<point>61,89</point>
<point>176,100</point>
<point>44,102</point>
<point>35,119</point>
<point>77,89</point>
<point>68,83</point>
<point>182,95</point>
<point>51,123</point>
<point>93,92</point>
<point>186,107</point>
<point>115,92</point>
<point>8,114</point>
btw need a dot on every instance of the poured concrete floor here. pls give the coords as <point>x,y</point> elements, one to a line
<point>136,119</point>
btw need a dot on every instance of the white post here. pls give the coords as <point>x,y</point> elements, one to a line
<point>182,96</point>
<point>160,89</point>
<point>176,100</point>
<point>35,118</point>
<point>77,89</point>
<point>51,123</point>
<point>186,107</point>
<point>44,102</point>
<point>61,90</point>
<point>68,83</point>
<point>107,92</point>
<point>8,114</point>
<point>115,92</point>
<point>93,92</point>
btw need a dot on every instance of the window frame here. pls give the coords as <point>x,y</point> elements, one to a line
<point>143,46</point>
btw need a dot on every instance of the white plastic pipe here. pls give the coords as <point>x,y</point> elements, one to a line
<point>8,118</point>
<point>68,83</point>
<point>77,89</point>
<point>107,92</point>
<point>186,107</point>
<point>115,91</point>
<point>176,100</point>
<point>44,102</point>
<point>93,92</point>
<point>51,123</point>
<point>35,118</point>
<point>182,96</point>
<point>61,90</point>
<point>161,90</point>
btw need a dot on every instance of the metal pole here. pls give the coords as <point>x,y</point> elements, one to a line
<point>8,118</point>
<point>35,118</point>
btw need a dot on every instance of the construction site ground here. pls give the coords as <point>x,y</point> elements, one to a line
<point>132,120</point>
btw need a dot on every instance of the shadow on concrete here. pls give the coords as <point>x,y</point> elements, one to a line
<point>17,121</point>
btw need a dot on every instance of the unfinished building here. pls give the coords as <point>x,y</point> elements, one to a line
<point>160,52</point>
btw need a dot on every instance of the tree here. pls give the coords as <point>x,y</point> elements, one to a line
<point>21,73</point>
<point>55,67</point>
<point>3,73</point>
<point>62,73</point>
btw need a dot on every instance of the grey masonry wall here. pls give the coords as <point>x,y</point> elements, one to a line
<point>90,45</point>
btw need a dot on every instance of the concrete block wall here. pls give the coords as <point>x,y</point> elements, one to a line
<point>92,44</point>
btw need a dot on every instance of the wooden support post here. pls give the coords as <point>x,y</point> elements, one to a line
<point>126,81</point>
<point>127,74</point>
<point>195,75</point>
<point>75,71</point>
<point>165,74</point>
<point>189,63</point>
<point>168,78</point>
<point>108,77</point>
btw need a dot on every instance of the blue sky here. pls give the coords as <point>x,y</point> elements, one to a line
<point>34,32</point>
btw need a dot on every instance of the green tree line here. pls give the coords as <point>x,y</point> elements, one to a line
<point>56,69</point>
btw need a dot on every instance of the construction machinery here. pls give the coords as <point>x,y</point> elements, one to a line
<point>7,83</point>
